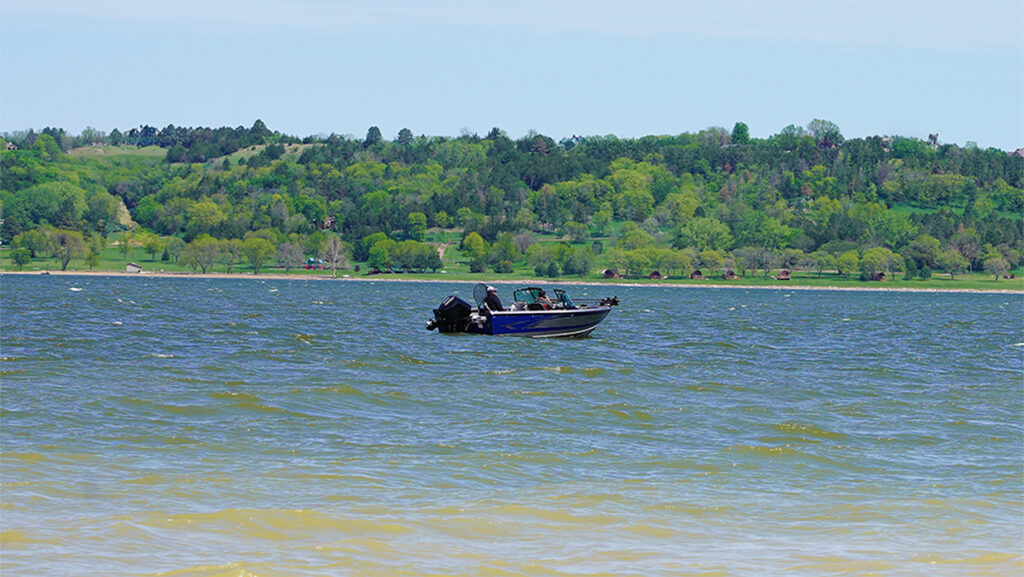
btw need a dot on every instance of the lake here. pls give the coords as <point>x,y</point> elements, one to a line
<point>237,427</point>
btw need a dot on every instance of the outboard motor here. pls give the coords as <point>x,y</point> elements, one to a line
<point>452,316</point>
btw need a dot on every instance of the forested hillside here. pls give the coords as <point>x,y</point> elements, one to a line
<point>804,198</point>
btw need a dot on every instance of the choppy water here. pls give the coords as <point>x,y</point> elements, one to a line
<point>260,427</point>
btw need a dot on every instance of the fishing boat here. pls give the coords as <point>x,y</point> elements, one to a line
<point>531,314</point>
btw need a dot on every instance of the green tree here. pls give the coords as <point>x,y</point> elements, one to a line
<point>230,253</point>
<point>476,249</point>
<point>152,244</point>
<point>539,256</point>
<point>711,260</point>
<point>373,136</point>
<point>37,243</point>
<point>638,262</point>
<point>774,235</point>
<point>822,260</point>
<point>404,254</point>
<point>417,226</point>
<point>68,244</point>
<point>740,133</point>
<point>848,262</point>
<point>204,217</point>
<point>704,234</point>
<point>58,203</point>
<point>442,219</point>
<point>997,266</point>
<point>879,260</point>
<point>380,254</point>
<point>202,252</point>
<point>94,251</point>
<point>125,246</point>
<point>952,262</point>
<point>101,210</point>
<point>923,250</point>
<point>678,262</point>
<point>174,246</point>
<point>257,251</point>
<point>577,232</point>
<point>603,217</point>
<point>826,134</point>
<point>91,259</point>
<point>367,243</point>
<point>21,257</point>
<point>633,237</point>
<point>404,137</point>
<point>967,242</point>
<point>504,248</point>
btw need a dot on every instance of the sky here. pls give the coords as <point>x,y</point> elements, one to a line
<point>558,67</point>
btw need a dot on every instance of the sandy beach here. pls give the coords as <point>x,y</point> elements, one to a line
<point>519,280</point>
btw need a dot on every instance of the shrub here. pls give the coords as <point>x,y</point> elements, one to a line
<point>504,266</point>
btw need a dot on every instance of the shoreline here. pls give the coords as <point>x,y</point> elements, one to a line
<point>532,281</point>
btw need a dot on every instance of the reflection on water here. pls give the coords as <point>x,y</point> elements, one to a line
<point>261,427</point>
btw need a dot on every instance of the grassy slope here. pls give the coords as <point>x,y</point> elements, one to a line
<point>292,152</point>
<point>115,152</point>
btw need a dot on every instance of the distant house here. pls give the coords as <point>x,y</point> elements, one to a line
<point>696,275</point>
<point>1019,153</point>
<point>610,273</point>
<point>729,275</point>
<point>784,274</point>
<point>132,268</point>
<point>655,275</point>
<point>878,276</point>
<point>12,146</point>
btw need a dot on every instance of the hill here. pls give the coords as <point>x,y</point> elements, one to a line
<point>806,198</point>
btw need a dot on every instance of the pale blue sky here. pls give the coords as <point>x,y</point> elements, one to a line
<point>586,67</point>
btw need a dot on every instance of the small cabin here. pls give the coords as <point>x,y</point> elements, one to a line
<point>784,274</point>
<point>878,276</point>
<point>696,275</point>
<point>132,268</point>
<point>610,273</point>
<point>729,275</point>
<point>656,275</point>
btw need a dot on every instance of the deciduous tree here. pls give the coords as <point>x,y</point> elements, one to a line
<point>202,252</point>
<point>21,257</point>
<point>289,256</point>
<point>257,250</point>
<point>333,254</point>
<point>67,244</point>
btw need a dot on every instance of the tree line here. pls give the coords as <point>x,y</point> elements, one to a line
<point>716,199</point>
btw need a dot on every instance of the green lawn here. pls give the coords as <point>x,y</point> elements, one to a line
<point>456,268</point>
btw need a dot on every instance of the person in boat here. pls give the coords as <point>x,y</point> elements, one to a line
<point>544,301</point>
<point>492,302</point>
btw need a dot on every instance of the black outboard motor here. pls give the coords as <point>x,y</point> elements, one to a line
<point>452,316</point>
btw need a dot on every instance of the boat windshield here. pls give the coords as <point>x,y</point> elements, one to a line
<point>526,295</point>
<point>564,299</point>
